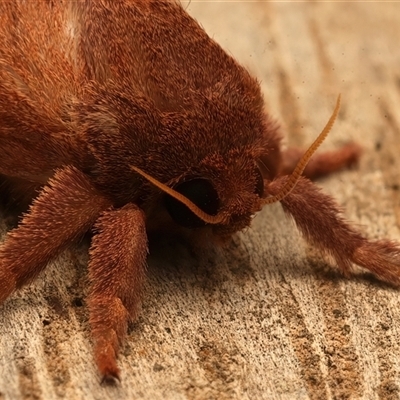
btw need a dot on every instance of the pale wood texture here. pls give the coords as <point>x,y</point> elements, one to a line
<point>263,318</point>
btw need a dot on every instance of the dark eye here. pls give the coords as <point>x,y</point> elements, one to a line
<point>259,189</point>
<point>202,193</point>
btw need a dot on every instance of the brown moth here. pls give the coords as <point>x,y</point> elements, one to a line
<point>124,117</point>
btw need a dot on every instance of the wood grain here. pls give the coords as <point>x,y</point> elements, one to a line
<point>265,317</point>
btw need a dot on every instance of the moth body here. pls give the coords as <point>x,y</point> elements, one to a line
<point>121,117</point>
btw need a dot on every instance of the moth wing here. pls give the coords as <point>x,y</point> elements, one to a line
<point>145,45</point>
<point>37,87</point>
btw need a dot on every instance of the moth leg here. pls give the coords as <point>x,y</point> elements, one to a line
<point>64,210</point>
<point>319,218</point>
<point>116,271</point>
<point>321,163</point>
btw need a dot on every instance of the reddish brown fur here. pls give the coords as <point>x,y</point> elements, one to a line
<point>89,89</point>
<point>116,270</point>
<point>319,166</point>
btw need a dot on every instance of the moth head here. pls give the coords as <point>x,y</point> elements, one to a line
<point>203,194</point>
<point>195,202</point>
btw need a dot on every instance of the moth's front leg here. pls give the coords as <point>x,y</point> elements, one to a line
<point>116,270</point>
<point>66,208</point>
<point>320,220</point>
<point>323,163</point>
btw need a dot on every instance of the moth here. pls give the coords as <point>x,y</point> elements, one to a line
<point>123,117</point>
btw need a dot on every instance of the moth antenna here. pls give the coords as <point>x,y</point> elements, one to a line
<point>209,219</point>
<point>294,177</point>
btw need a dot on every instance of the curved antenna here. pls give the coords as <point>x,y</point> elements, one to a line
<point>295,176</point>
<point>209,219</point>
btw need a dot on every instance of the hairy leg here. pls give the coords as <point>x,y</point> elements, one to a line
<point>319,219</point>
<point>321,163</point>
<point>116,270</point>
<point>64,210</point>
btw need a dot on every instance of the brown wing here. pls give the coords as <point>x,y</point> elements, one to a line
<point>154,47</point>
<point>37,86</point>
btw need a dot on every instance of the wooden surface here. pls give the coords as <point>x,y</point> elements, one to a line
<point>264,318</point>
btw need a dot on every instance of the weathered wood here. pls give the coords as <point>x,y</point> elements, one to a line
<point>264,318</point>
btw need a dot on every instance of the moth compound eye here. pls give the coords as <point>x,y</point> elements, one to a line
<point>202,193</point>
<point>259,189</point>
